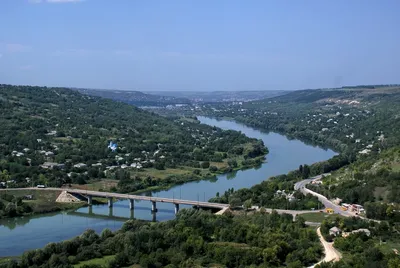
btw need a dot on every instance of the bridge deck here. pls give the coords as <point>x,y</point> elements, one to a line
<point>147,198</point>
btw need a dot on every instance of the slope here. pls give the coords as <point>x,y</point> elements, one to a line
<point>55,136</point>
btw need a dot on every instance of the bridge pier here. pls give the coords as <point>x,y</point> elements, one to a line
<point>153,206</point>
<point>110,202</point>
<point>154,218</point>
<point>110,211</point>
<point>89,200</point>
<point>131,204</point>
<point>176,208</point>
<point>132,215</point>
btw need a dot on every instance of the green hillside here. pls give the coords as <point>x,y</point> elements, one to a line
<point>69,133</point>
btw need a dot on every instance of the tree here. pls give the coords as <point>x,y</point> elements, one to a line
<point>205,164</point>
<point>247,204</point>
<point>213,169</point>
<point>234,202</point>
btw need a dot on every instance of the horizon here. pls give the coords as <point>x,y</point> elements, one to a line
<point>198,47</point>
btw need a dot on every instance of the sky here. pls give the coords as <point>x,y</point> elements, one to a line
<point>199,45</point>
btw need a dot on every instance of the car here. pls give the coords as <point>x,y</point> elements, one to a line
<point>41,186</point>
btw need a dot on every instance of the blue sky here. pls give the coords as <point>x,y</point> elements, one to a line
<point>199,45</point>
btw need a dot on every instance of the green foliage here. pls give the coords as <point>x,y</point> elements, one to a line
<point>194,238</point>
<point>41,124</point>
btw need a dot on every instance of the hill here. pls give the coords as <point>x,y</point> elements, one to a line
<point>222,96</point>
<point>136,98</point>
<point>55,136</point>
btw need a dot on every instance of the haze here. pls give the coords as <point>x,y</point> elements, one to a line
<point>199,45</point>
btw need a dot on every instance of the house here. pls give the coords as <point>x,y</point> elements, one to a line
<point>51,165</point>
<point>80,165</point>
<point>334,231</point>
<point>49,153</point>
<point>337,201</point>
<point>365,151</point>
<point>366,231</point>
<point>357,208</point>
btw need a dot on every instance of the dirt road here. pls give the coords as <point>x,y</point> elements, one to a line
<point>331,254</point>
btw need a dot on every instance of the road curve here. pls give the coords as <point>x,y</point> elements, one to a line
<point>301,186</point>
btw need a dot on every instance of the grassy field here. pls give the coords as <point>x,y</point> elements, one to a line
<point>99,261</point>
<point>43,201</point>
<point>105,184</point>
<point>319,217</point>
<point>4,260</point>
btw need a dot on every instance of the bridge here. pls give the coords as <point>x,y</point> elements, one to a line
<point>110,196</point>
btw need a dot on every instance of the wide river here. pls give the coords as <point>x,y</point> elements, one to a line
<point>20,234</point>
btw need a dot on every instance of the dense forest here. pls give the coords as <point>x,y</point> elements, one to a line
<point>57,136</point>
<point>193,239</point>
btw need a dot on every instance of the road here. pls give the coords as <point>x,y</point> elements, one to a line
<point>223,207</point>
<point>331,253</point>
<point>301,186</point>
<point>128,196</point>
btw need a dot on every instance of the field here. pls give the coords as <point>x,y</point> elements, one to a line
<point>319,217</point>
<point>43,201</point>
<point>99,261</point>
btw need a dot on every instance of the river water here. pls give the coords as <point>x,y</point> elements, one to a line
<point>20,234</point>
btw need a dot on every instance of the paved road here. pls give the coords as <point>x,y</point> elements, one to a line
<point>301,186</point>
<point>223,207</point>
<point>128,196</point>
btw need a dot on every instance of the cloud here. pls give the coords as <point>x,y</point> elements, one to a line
<point>54,1</point>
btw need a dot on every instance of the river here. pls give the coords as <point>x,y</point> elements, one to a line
<point>20,234</point>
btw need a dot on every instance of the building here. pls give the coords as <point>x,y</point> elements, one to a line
<point>365,231</point>
<point>335,231</point>
<point>80,165</point>
<point>51,165</point>
<point>357,208</point>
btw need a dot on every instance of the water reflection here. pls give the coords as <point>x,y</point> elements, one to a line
<point>32,232</point>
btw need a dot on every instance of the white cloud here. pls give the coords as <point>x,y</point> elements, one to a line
<point>54,1</point>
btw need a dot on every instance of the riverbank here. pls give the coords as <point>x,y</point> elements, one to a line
<point>36,202</point>
<point>174,177</point>
<point>282,158</point>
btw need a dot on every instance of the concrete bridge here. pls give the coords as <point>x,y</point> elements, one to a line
<point>110,196</point>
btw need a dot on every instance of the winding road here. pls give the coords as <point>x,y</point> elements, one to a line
<point>301,186</point>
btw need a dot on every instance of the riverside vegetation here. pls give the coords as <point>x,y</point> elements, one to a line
<point>193,239</point>
<point>362,124</point>
<point>57,136</point>
<point>359,122</point>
